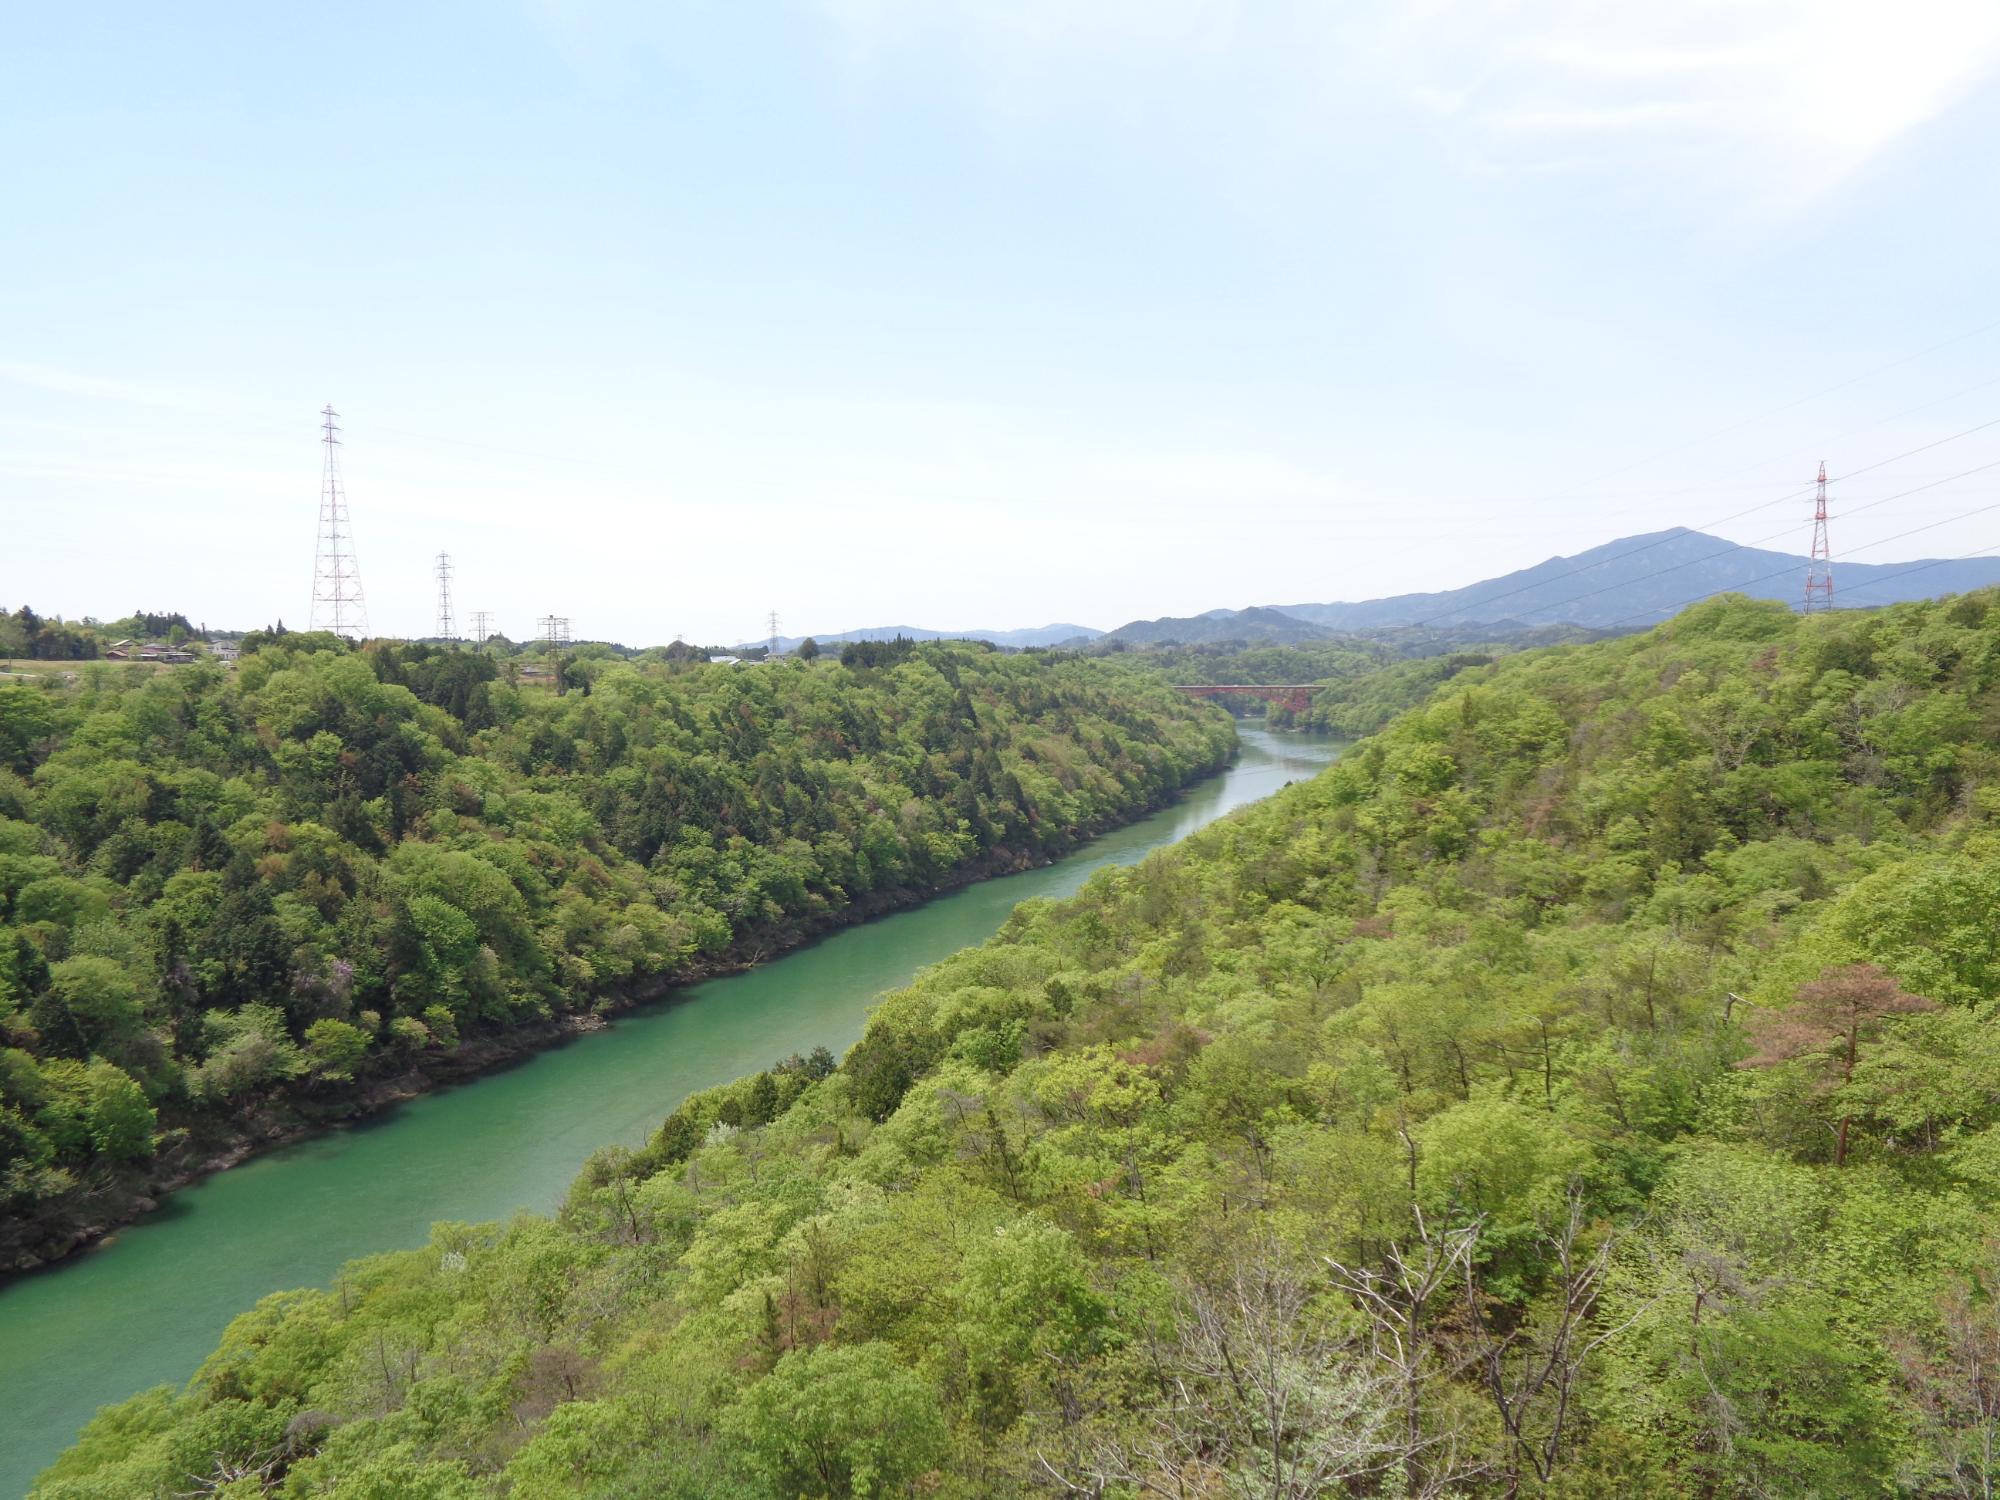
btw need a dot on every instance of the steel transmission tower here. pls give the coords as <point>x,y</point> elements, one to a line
<point>445,629</point>
<point>337,604</point>
<point>555,639</point>
<point>1819,571</point>
<point>482,626</point>
<point>773,652</point>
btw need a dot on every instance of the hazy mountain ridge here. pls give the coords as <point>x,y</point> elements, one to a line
<point>1629,583</point>
<point>1058,634</point>
<point>1260,624</point>
<point>1640,580</point>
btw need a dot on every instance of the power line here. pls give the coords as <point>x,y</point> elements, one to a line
<point>1662,541</point>
<point>1859,588</point>
<point>566,460</point>
<point>1745,546</point>
<point>1923,567</point>
<point>1840,385</point>
<point>1653,497</point>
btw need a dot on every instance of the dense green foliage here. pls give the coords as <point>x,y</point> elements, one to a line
<point>1588,1087</point>
<point>1363,681</point>
<point>1348,657</point>
<point>1358,705</point>
<point>222,892</point>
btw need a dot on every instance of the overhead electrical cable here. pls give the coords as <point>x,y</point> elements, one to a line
<point>1662,540</point>
<point>1653,497</point>
<point>1745,546</point>
<point>1839,385</point>
<point>1864,547</point>
<point>1922,567</point>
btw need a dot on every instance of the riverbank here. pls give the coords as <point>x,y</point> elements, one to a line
<point>148,1306</point>
<point>202,1145</point>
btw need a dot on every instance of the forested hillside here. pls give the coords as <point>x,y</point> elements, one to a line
<point>1240,661</point>
<point>230,903</point>
<point>1364,703</point>
<point>1589,1087</point>
<point>1364,680</point>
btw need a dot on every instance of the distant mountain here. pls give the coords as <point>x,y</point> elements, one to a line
<point>1039,635</point>
<point>1628,584</point>
<point>1264,627</point>
<point>1640,580</point>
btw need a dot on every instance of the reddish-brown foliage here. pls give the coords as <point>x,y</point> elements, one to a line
<point>1830,1018</point>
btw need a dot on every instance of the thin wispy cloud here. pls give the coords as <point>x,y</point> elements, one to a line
<point>1771,96</point>
<point>185,399</point>
<point>1754,97</point>
<point>1005,312</point>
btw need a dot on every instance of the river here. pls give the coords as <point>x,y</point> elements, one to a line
<point>148,1305</point>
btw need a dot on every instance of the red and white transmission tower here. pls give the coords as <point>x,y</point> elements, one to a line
<point>337,604</point>
<point>1819,571</point>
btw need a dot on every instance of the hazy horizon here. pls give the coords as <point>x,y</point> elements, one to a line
<point>976,319</point>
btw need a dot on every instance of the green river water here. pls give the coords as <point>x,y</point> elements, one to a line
<point>149,1304</point>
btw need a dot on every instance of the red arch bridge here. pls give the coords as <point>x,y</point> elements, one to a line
<point>1293,695</point>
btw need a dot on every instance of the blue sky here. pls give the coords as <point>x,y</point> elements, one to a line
<point>964,315</point>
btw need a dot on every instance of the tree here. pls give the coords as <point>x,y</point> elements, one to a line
<point>808,650</point>
<point>1826,1023</point>
<point>1260,1393</point>
<point>1952,1374</point>
<point>762,1105</point>
<point>248,1048</point>
<point>121,1121</point>
<point>92,1003</point>
<point>1028,1316</point>
<point>1401,1304</point>
<point>26,719</point>
<point>334,1049</point>
<point>1534,1367</point>
<point>840,1421</point>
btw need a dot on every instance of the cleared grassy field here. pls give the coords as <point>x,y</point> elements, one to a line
<point>25,667</point>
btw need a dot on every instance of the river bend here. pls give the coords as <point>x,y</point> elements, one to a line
<point>147,1305</point>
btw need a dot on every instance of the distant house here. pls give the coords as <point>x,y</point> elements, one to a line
<point>224,650</point>
<point>725,661</point>
<point>154,651</point>
<point>119,650</point>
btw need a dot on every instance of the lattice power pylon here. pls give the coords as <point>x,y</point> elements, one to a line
<point>446,629</point>
<point>555,640</point>
<point>337,602</point>
<point>1819,570</point>
<point>482,626</point>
